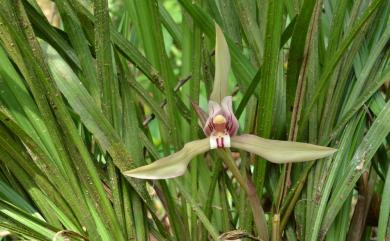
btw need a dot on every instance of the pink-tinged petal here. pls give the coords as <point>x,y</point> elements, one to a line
<point>209,127</point>
<point>232,123</point>
<point>280,151</point>
<point>214,109</point>
<point>173,165</point>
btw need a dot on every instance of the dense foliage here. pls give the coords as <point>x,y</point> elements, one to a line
<point>91,89</point>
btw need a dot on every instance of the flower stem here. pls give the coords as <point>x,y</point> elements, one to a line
<point>275,227</point>
<point>247,185</point>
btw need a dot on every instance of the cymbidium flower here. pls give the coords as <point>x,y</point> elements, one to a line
<point>221,128</point>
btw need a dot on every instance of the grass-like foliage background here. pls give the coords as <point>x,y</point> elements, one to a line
<point>91,89</point>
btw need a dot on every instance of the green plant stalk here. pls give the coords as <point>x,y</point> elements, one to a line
<point>367,148</point>
<point>115,187</point>
<point>33,185</point>
<point>297,48</point>
<point>148,98</point>
<point>171,26</point>
<point>270,70</point>
<point>229,21</point>
<point>188,64</point>
<point>332,63</point>
<point>244,213</point>
<point>23,219</point>
<point>363,77</point>
<point>45,31</point>
<point>170,203</point>
<point>194,127</point>
<point>340,77</point>
<point>128,211</point>
<point>300,89</point>
<point>257,210</point>
<point>138,220</point>
<point>80,45</point>
<point>109,90</point>
<point>202,217</point>
<point>364,97</point>
<point>94,120</point>
<point>342,221</point>
<point>36,88</point>
<point>384,212</point>
<point>43,163</point>
<point>388,232</point>
<point>336,28</point>
<point>125,47</point>
<point>155,50</point>
<point>225,216</point>
<point>77,150</point>
<point>217,171</point>
<point>251,89</point>
<point>276,227</point>
<point>245,216</point>
<point>16,92</point>
<point>331,178</point>
<point>251,29</point>
<point>293,197</point>
<point>30,175</point>
<point>104,65</point>
<point>130,134</point>
<point>313,134</point>
<point>242,68</point>
<point>16,228</point>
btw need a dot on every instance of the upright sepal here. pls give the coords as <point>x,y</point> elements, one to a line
<point>232,122</point>
<point>222,67</point>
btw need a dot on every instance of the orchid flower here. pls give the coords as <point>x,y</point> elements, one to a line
<point>221,128</point>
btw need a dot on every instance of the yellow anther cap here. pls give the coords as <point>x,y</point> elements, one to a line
<point>219,119</point>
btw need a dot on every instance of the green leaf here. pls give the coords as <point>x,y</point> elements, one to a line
<point>80,44</point>
<point>358,165</point>
<point>253,34</point>
<point>26,220</point>
<point>296,54</point>
<point>242,68</point>
<point>333,61</point>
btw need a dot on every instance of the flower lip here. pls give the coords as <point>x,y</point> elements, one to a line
<point>219,140</point>
<point>221,118</point>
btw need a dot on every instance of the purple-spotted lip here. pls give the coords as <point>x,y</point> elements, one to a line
<point>219,141</point>
<point>224,109</point>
